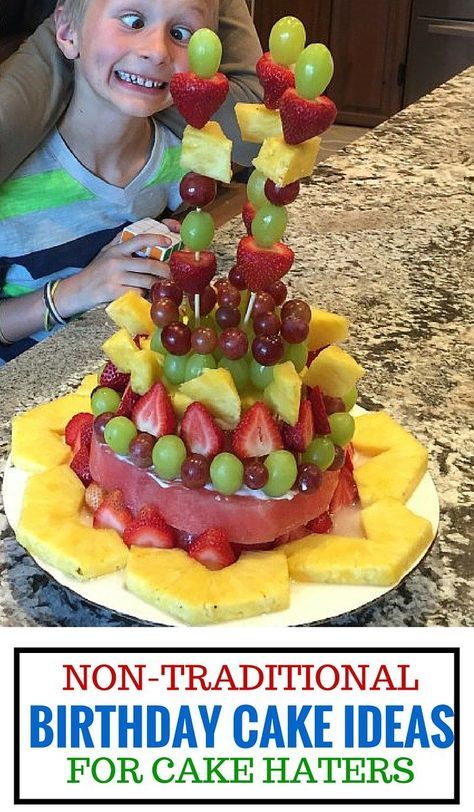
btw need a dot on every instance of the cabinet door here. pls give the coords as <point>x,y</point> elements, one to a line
<point>368,40</point>
<point>314,15</point>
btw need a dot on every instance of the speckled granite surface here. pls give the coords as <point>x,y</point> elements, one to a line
<point>382,233</point>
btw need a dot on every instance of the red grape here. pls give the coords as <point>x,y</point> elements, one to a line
<point>100,423</point>
<point>264,303</point>
<point>176,338</point>
<point>296,308</point>
<point>197,190</point>
<point>281,195</point>
<point>204,340</point>
<point>294,330</point>
<point>207,300</point>
<point>255,474</point>
<point>141,448</point>
<point>168,289</point>
<point>233,343</point>
<point>266,324</point>
<point>267,350</point>
<point>195,471</point>
<point>339,457</point>
<point>236,278</point>
<point>164,311</point>
<point>278,291</point>
<point>228,296</point>
<point>227,316</point>
<point>333,405</point>
<point>309,478</point>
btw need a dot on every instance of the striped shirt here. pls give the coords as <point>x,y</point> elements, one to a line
<point>55,215</point>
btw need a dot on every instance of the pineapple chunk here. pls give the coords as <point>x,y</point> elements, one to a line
<point>145,370</point>
<point>283,394</point>
<point>334,371</point>
<point>284,163</point>
<point>180,402</point>
<point>120,348</point>
<point>393,524</point>
<point>215,388</point>
<point>145,344</point>
<point>326,328</point>
<point>37,436</point>
<point>131,311</point>
<point>207,151</point>
<point>377,431</point>
<point>50,527</point>
<point>257,122</point>
<point>180,585</point>
<point>394,473</point>
<point>88,383</point>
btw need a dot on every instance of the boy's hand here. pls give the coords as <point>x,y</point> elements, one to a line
<point>112,273</point>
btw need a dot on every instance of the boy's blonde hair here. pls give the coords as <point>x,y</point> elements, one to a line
<point>75,10</point>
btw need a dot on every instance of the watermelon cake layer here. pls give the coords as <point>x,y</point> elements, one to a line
<point>247,519</point>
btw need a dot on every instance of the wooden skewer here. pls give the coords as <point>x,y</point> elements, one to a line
<point>197,308</point>
<point>250,305</point>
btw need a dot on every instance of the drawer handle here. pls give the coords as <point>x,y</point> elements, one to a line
<point>452,29</point>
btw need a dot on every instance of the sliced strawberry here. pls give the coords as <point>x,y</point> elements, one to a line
<point>112,513</point>
<point>94,496</point>
<point>72,432</point>
<point>197,98</point>
<point>129,399</point>
<point>85,436</point>
<point>321,524</point>
<point>212,549</point>
<point>248,213</point>
<point>262,266</point>
<point>312,354</point>
<point>149,529</point>
<point>190,274</point>
<point>80,465</point>
<point>321,422</point>
<point>200,432</point>
<point>349,458</point>
<point>257,434</point>
<point>274,78</point>
<point>345,493</point>
<point>299,436</point>
<point>302,119</point>
<point>154,413</point>
<point>111,377</point>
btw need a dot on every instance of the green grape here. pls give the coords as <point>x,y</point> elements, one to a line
<point>320,452</point>
<point>287,40</point>
<point>197,230</point>
<point>239,370</point>
<point>342,428</point>
<point>297,353</point>
<point>196,363</point>
<point>255,189</point>
<point>260,375</point>
<point>174,367</point>
<point>204,321</point>
<point>269,224</point>
<point>119,433</point>
<point>282,472</point>
<point>104,399</point>
<point>155,343</point>
<point>204,52</point>
<point>350,398</point>
<point>169,453</point>
<point>227,473</point>
<point>313,71</point>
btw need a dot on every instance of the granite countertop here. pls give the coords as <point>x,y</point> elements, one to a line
<point>383,234</point>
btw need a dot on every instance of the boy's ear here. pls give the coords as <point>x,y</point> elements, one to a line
<point>66,35</point>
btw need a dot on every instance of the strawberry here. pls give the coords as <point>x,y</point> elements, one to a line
<point>149,529</point>
<point>94,496</point>
<point>190,274</point>
<point>111,377</point>
<point>312,354</point>
<point>80,465</point>
<point>262,266</point>
<point>299,436</point>
<point>349,458</point>
<point>129,399</point>
<point>248,213</point>
<point>212,549</point>
<point>154,413</point>
<point>257,433</point>
<point>196,98</point>
<point>302,119</point>
<point>75,427</point>
<point>346,491</point>
<point>321,422</point>
<point>200,433</point>
<point>321,524</point>
<point>139,338</point>
<point>112,513</point>
<point>274,78</point>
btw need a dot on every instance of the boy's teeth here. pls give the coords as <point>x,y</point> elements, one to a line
<point>138,80</point>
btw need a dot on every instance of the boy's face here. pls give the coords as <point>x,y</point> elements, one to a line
<point>128,51</point>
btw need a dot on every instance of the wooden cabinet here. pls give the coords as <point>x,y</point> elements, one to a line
<point>368,40</point>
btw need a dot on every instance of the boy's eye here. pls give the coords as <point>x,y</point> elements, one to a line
<point>132,20</point>
<point>181,34</point>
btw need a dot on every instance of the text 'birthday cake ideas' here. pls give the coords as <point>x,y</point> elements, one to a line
<point>215,453</point>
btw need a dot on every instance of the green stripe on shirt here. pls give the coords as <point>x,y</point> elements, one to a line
<point>45,190</point>
<point>10,289</point>
<point>170,170</point>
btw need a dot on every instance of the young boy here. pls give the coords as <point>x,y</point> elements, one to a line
<point>107,164</point>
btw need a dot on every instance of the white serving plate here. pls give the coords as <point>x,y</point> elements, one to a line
<point>309,602</point>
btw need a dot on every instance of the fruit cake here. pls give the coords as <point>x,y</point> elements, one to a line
<point>213,455</point>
